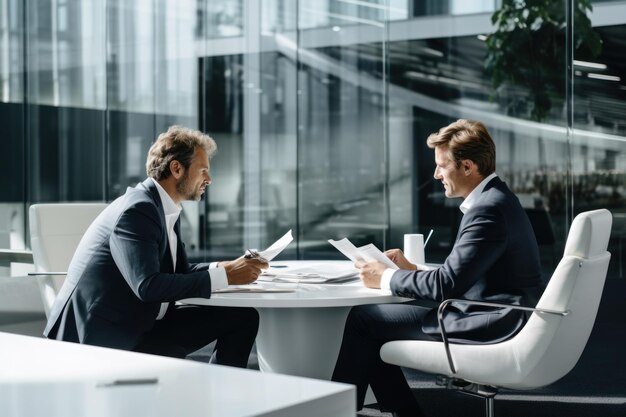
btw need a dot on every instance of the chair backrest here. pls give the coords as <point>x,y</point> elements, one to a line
<point>55,231</point>
<point>551,345</point>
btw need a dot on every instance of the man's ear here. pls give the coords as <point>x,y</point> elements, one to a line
<point>176,168</point>
<point>468,166</point>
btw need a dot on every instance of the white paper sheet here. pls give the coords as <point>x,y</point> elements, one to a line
<point>347,248</point>
<point>277,247</point>
<point>366,253</point>
<point>371,253</point>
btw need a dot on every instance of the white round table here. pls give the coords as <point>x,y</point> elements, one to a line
<point>300,332</point>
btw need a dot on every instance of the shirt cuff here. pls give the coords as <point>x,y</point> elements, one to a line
<point>213,265</point>
<point>218,278</point>
<point>385,279</point>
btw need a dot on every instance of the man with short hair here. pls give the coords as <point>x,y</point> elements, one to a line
<point>495,258</point>
<point>131,266</point>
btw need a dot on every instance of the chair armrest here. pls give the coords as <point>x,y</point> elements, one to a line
<point>13,255</point>
<point>446,303</point>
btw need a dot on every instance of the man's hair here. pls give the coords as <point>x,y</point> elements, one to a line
<point>177,144</point>
<point>467,139</point>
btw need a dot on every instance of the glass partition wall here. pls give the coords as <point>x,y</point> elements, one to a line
<point>320,110</point>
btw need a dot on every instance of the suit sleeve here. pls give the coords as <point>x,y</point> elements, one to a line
<point>134,247</point>
<point>481,241</point>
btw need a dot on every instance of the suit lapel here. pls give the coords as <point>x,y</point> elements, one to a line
<point>165,253</point>
<point>181,255</point>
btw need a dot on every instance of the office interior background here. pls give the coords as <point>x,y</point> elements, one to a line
<point>320,109</point>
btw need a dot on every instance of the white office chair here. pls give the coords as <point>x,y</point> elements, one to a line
<point>550,343</point>
<point>55,231</point>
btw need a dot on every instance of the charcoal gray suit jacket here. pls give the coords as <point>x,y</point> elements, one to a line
<point>121,272</point>
<point>495,258</point>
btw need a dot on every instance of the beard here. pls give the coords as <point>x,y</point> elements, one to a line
<point>185,188</point>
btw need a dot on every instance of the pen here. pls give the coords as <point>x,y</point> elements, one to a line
<point>252,254</point>
<point>125,382</point>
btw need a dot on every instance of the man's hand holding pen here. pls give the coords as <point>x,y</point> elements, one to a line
<point>245,269</point>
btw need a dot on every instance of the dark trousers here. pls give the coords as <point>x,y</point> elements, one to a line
<point>185,329</point>
<point>368,327</point>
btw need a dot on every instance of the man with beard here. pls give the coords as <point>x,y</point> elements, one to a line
<point>131,266</point>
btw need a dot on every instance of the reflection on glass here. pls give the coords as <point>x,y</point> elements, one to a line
<point>342,130</point>
<point>12,233</point>
<point>65,70</point>
<point>217,19</point>
<point>526,55</point>
<point>320,110</point>
<point>599,137</point>
<point>151,82</point>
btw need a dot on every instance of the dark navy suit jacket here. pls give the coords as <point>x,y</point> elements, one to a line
<point>121,272</point>
<point>495,258</point>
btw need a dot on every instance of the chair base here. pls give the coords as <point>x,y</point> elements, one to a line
<point>487,392</point>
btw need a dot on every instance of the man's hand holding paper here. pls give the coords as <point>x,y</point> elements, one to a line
<point>243,270</point>
<point>247,268</point>
<point>397,257</point>
<point>371,261</point>
<point>276,248</point>
<point>370,273</point>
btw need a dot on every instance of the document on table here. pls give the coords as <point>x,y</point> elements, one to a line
<point>321,273</point>
<point>251,289</point>
<point>277,247</point>
<point>367,253</point>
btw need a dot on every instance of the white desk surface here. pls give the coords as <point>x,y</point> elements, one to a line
<point>304,295</point>
<point>40,377</point>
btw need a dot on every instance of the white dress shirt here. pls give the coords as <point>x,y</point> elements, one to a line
<point>385,279</point>
<point>217,275</point>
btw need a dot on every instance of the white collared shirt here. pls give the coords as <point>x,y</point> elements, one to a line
<point>385,279</point>
<point>471,197</point>
<point>217,275</point>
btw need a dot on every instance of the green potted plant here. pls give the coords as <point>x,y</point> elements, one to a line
<point>526,53</point>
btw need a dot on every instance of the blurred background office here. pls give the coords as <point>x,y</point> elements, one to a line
<point>320,109</point>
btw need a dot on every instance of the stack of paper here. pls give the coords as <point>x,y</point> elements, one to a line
<point>321,273</point>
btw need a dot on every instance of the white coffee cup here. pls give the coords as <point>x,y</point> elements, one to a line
<point>414,248</point>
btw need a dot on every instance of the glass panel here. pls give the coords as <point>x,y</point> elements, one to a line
<point>152,84</point>
<point>320,110</point>
<point>599,135</point>
<point>342,128</point>
<point>11,51</point>
<point>66,97</point>
<point>12,197</point>
<point>131,77</point>
<point>301,138</point>
<point>250,110</point>
<point>461,67</point>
